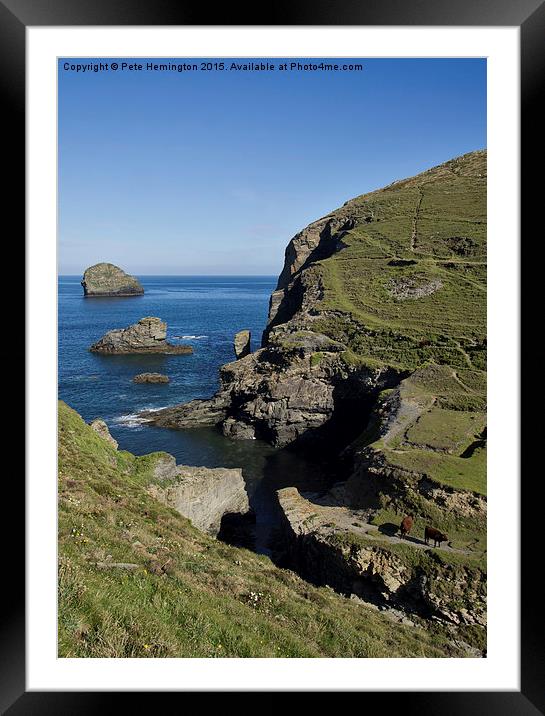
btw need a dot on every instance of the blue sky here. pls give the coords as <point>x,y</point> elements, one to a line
<point>213,172</point>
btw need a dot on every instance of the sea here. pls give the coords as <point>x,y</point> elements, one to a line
<point>205,312</point>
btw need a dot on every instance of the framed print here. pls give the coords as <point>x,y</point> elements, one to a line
<point>273,290</point>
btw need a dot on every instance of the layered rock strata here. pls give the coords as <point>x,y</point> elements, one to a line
<point>203,495</point>
<point>332,545</point>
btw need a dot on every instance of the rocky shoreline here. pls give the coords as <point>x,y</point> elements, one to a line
<point>374,358</point>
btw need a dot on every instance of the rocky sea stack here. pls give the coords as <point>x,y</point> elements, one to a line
<point>149,335</point>
<point>103,280</point>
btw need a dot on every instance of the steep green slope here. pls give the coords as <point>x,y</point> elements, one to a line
<point>408,284</point>
<point>136,579</point>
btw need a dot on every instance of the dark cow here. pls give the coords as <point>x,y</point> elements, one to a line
<point>435,535</point>
<point>406,525</point>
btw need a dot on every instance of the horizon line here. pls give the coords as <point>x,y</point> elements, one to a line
<point>188,275</point>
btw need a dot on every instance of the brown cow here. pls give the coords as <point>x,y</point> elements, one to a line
<point>406,525</point>
<point>435,535</point>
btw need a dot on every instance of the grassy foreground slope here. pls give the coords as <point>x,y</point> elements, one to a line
<point>136,579</point>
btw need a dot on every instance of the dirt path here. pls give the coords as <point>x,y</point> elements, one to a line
<point>466,356</point>
<point>338,517</point>
<point>462,384</point>
<point>414,235</point>
<point>374,531</point>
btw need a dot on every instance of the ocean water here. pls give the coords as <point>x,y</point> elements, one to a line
<point>206,312</point>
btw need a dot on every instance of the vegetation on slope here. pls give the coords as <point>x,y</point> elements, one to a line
<point>428,231</point>
<point>136,579</point>
<point>408,289</point>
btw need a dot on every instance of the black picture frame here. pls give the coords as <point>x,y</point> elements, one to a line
<point>529,15</point>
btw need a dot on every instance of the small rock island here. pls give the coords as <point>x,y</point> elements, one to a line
<point>103,280</point>
<point>151,378</point>
<point>149,335</point>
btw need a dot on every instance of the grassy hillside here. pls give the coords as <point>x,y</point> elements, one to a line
<point>412,274</point>
<point>408,290</point>
<point>136,579</point>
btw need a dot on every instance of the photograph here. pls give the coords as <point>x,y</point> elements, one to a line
<point>272,340</point>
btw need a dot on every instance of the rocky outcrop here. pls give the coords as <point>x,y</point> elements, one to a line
<point>282,394</point>
<point>149,335</point>
<point>413,287</point>
<point>316,242</point>
<point>108,280</point>
<point>241,344</point>
<point>151,378</point>
<point>332,545</point>
<point>203,495</point>
<point>100,427</point>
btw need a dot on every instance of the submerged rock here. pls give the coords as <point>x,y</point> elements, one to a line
<point>195,414</point>
<point>108,280</point>
<point>100,427</point>
<point>151,378</point>
<point>242,343</point>
<point>203,495</point>
<point>149,335</point>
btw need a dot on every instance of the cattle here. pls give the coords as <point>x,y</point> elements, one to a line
<point>406,525</point>
<point>435,535</point>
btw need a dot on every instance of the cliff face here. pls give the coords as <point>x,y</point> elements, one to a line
<point>333,545</point>
<point>203,495</point>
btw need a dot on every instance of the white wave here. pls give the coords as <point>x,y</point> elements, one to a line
<point>189,338</point>
<point>130,420</point>
<point>134,420</point>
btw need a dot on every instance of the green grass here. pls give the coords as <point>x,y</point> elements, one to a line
<point>189,595</point>
<point>464,533</point>
<point>450,470</point>
<point>316,358</point>
<point>447,430</point>
<point>446,327</point>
